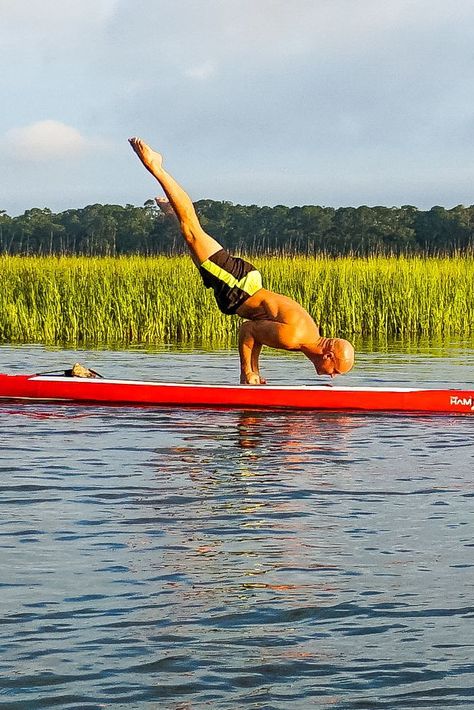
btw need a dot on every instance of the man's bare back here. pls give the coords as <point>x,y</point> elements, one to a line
<point>271,318</point>
<point>268,305</point>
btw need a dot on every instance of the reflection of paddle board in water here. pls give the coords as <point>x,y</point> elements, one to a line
<point>316,397</point>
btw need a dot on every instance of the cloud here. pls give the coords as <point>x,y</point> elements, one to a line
<point>201,72</point>
<point>49,15</point>
<point>45,141</point>
<point>319,100</point>
<point>272,31</point>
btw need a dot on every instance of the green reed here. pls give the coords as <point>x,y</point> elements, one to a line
<point>161,300</point>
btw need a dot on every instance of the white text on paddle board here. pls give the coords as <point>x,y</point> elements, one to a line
<point>462,401</point>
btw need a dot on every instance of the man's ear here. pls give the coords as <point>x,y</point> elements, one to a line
<point>329,355</point>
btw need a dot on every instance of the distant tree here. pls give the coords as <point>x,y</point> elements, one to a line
<point>114,229</point>
<point>5,230</point>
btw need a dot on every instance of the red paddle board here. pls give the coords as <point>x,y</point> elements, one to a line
<point>167,394</point>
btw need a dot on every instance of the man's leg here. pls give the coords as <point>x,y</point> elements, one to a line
<point>200,244</point>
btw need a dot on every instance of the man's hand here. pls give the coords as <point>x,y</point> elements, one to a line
<point>251,378</point>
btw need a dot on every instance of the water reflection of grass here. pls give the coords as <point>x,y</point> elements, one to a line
<point>160,300</point>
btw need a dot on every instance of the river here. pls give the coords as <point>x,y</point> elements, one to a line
<point>190,559</point>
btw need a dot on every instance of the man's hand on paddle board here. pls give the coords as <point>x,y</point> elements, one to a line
<point>252,378</point>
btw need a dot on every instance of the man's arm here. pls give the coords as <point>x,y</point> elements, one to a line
<point>255,333</point>
<point>249,351</point>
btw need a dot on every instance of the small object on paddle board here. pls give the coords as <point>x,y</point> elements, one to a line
<point>77,370</point>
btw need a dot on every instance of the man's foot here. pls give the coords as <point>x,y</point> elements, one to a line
<point>165,206</point>
<point>149,157</point>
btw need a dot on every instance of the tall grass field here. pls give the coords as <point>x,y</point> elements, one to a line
<point>161,300</point>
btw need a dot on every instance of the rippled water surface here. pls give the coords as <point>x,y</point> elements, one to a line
<point>194,559</point>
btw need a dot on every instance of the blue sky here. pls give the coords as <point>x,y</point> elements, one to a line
<point>329,102</point>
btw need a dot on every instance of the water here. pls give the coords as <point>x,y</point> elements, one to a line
<point>211,559</point>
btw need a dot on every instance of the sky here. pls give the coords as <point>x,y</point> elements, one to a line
<point>324,102</point>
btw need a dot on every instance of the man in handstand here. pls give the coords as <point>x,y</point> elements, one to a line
<point>270,318</point>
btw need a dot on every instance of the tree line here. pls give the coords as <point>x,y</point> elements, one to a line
<point>109,230</point>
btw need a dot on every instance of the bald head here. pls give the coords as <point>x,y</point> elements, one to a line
<point>333,356</point>
<point>343,355</point>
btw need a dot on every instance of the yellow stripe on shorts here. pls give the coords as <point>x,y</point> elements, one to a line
<point>250,283</point>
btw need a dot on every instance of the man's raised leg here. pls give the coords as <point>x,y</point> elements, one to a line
<point>201,245</point>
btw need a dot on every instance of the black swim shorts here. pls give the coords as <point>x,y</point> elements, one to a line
<point>232,279</point>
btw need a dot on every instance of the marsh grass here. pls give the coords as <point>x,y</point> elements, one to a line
<point>161,300</point>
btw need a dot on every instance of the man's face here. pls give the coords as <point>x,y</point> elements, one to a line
<point>326,365</point>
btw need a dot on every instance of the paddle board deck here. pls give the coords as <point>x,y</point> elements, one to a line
<point>166,394</point>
